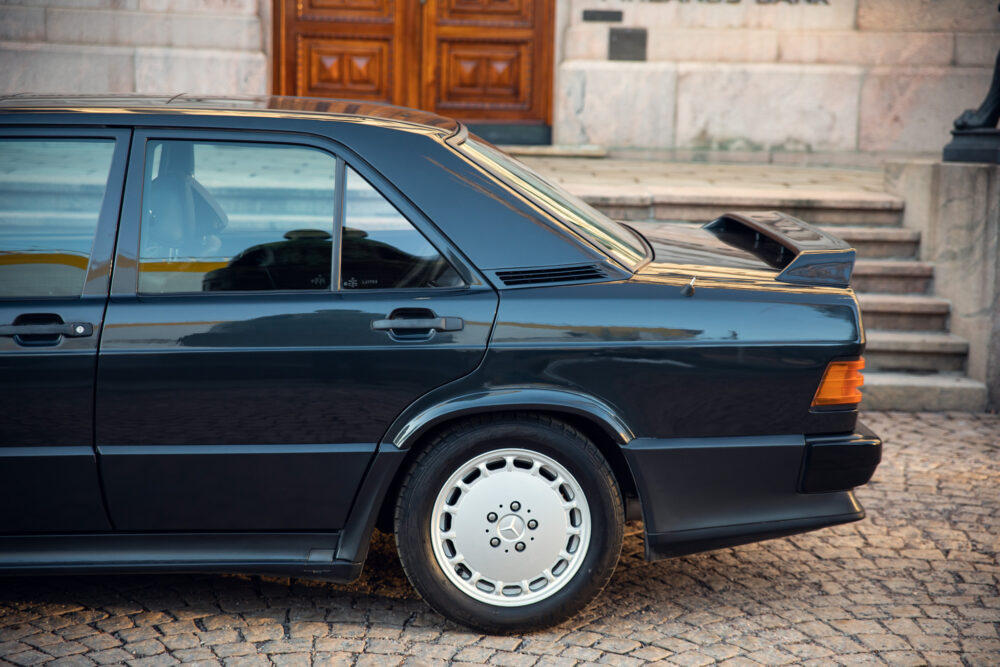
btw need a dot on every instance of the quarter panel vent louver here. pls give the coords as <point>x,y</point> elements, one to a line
<point>558,274</point>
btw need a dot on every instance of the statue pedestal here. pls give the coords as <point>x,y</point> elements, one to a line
<point>974,146</point>
<point>954,207</point>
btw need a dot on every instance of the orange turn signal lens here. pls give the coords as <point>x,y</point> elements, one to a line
<point>841,383</point>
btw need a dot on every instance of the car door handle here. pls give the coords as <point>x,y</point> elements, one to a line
<point>69,329</point>
<point>436,323</point>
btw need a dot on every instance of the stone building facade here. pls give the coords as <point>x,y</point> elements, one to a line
<point>834,81</point>
<point>828,77</point>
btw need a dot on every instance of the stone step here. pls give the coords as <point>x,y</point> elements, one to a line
<point>915,351</point>
<point>701,204</point>
<point>556,150</point>
<point>879,242</point>
<point>914,392</point>
<point>908,312</point>
<point>892,276</point>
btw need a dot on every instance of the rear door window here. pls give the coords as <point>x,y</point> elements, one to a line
<point>234,216</point>
<point>51,193</point>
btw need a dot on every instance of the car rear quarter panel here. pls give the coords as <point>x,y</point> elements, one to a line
<point>725,361</point>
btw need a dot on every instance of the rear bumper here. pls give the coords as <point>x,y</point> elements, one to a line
<point>707,493</point>
<point>835,463</point>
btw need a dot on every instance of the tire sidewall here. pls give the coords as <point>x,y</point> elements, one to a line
<point>578,456</point>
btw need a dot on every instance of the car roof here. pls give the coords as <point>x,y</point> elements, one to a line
<point>267,105</point>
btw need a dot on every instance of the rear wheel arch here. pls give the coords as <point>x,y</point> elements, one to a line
<point>593,429</point>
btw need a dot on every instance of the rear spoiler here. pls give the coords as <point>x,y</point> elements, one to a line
<point>804,254</point>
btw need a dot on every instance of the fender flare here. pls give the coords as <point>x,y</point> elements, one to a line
<point>416,420</point>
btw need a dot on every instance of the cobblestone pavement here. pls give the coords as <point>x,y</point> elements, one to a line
<point>915,583</point>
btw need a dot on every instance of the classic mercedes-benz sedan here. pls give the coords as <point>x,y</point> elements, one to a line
<point>238,335</point>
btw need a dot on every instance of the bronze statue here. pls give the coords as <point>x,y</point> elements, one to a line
<point>988,113</point>
<point>975,137</point>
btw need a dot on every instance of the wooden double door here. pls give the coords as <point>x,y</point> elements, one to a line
<point>477,60</point>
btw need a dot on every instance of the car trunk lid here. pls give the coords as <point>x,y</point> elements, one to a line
<point>771,244</point>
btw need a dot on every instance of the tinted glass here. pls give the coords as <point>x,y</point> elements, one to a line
<point>381,249</point>
<point>51,193</point>
<point>228,216</point>
<point>613,238</point>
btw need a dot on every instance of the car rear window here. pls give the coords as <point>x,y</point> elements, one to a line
<point>609,236</point>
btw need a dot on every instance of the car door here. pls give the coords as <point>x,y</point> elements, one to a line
<point>60,191</point>
<point>243,385</point>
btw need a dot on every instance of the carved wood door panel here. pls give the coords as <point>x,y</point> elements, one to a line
<point>488,59</point>
<point>353,49</point>
<point>477,60</point>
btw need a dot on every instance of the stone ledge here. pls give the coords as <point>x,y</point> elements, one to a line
<point>612,103</point>
<point>838,14</point>
<point>776,198</point>
<point>976,49</point>
<point>56,68</point>
<point>22,23</point>
<point>767,106</point>
<point>904,303</point>
<point>901,108</point>
<point>180,6</point>
<point>867,48</point>
<point>713,45</point>
<point>920,15</point>
<point>82,69</point>
<point>893,267</point>
<point>586,42</point>
<point>904,312</point>
<point>200,6</point>
<point>637,194</point>
<point>917,342</point>
<point>557,150</point>
<point>911,392</point>
<point>199,71</point>
<point>146,29</point>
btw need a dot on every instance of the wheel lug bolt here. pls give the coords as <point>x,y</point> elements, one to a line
<point>519,546</point>
<point>491,517</point>
<point>515,506</point>
<point>495,542</point>
<point>532,524</point>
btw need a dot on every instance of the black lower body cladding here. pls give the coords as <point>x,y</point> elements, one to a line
<point>706,493</point>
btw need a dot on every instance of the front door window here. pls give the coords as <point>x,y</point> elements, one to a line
<point>51,191</point>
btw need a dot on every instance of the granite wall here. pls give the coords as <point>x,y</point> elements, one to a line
<point>821,80</point>
<point>134,46</point>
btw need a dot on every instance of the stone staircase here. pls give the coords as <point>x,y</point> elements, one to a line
<point>913,361</point>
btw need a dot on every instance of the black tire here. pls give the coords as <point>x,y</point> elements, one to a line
<point>483,439</point>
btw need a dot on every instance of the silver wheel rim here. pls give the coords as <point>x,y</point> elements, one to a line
<point>510,527</point>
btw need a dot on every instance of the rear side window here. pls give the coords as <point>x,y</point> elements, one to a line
<point>51,192</point>
<point>233,216</point>
<point>381,249</point>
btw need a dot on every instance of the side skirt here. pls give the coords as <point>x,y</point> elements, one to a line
<point>310,555</point>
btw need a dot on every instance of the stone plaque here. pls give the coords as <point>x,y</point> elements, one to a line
<point>627,44</point>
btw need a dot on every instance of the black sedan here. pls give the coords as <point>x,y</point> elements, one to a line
<point>238,335</point>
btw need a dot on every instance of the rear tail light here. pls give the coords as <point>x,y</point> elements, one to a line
<point>841,384</point>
